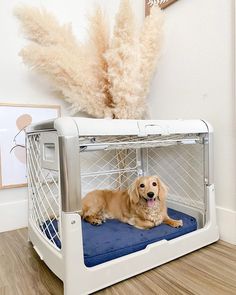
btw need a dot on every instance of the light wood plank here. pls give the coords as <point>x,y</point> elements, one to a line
<point>21,271</point>
<point>211,270</point>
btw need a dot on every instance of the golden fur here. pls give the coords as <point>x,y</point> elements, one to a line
<point>133,206</point>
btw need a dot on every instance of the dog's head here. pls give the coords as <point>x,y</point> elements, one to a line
<point>148,188</point>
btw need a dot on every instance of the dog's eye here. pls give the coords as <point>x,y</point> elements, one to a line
<point>142,185</point>
<point>154,184</point>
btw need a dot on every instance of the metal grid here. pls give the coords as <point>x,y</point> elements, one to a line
<point>111,169</point>
<point>44,202</point>
<point>181,168</point>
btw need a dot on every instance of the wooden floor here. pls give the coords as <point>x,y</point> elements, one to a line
<point>211,270</point>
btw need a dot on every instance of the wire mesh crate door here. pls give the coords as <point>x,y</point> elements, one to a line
<point>181,167</point>
<point>113,169</point>
<point>44,201</point>
<point>177,159</point>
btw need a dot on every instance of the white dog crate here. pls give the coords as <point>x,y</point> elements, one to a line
<point>69,157</point>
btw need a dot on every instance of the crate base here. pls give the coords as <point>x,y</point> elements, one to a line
<point>80,279</point>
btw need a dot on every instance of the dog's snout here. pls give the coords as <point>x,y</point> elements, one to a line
<point>150,194</point>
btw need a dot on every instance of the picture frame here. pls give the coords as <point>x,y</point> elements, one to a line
<point>14,118</point>
<point>162,3</point>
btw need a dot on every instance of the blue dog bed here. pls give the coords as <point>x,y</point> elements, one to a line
<point>114,239</point>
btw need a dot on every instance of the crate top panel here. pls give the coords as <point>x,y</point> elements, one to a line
<point>76,126</point>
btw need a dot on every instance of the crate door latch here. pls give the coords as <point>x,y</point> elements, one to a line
<point>146,129</point>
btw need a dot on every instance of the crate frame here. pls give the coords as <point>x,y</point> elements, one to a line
<point>68,262</point>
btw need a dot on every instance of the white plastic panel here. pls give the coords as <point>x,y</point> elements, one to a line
<point>72,126</point>
<point>101,127</point>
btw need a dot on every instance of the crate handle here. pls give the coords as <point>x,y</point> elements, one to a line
<point>146,129</point>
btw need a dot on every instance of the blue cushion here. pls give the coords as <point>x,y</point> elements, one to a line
<point>114,239</point>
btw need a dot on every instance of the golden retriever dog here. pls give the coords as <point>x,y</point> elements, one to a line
<point>143,205</point>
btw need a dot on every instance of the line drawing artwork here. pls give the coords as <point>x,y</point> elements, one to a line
<point>18,148</point>
<point>13,122</point>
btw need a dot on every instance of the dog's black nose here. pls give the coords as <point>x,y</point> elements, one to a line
<point>150,194</point>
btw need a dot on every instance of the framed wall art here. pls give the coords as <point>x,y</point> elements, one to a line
<point>162,3</point>
<point>14,119</point>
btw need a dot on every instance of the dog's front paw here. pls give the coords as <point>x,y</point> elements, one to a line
<point>96,221</point>
<point>178,223</point>
<point>93,220</point>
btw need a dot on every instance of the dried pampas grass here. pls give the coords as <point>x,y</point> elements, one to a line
<point>42,27</point>
<point>150,46</point>
<point>56,53</point>
<point>67,72</point>
<point>97,46</point>
<point>103,77</point>
<point>123,58</point>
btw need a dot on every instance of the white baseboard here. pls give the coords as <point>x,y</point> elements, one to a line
<point>13,215</point>
<point>226,220</point>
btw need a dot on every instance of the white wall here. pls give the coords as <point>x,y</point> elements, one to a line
<point>195,79</point>
<point>19,85</point>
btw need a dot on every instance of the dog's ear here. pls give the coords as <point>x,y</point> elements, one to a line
<point>163,190</point>
<point>133,192</point>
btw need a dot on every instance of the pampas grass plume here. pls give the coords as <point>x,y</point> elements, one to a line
<point>103,77</point>
<point>68,74</point>
<point>42,27</point>
<point>55,53</point>
<point>124,68</point>
<point>97,45</point>
<point>150,46</point>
